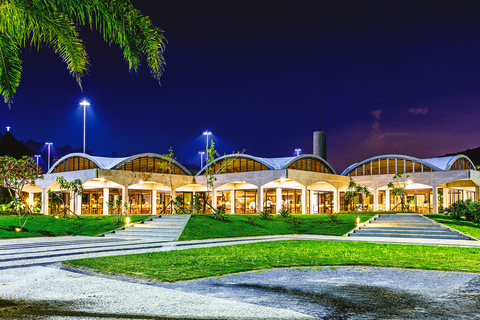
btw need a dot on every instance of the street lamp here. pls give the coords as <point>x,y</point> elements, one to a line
<point>201,158</point>
<point>48,145</point>
<point>84,104</point>
<point>8,128</point>
<point>298,151</point>
<point>207,133</point>
<point>37,156</point>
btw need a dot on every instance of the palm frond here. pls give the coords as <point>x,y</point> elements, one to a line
<point>10,67</point>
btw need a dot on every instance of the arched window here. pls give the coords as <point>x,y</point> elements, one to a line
<point>153,165</point>
<point>388,166</point>
<point>310,164</point>
<point>74,164</point>
<point>461,164</point>
<point>235,164</point>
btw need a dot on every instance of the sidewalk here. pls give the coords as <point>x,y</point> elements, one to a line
<point>17,253</point>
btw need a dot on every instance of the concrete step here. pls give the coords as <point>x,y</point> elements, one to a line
<point>154,226</point>
<point>392,235</point>
<point>416,229</point>
<point>422,232</point>
<point>147,230</point>
<point>136,236</point>
<point>407,215</point>
<point>404,223</point>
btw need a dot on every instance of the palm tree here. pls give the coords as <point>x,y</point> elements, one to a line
<point>57,23</point>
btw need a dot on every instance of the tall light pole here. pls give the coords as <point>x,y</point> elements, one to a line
<point>207,133</point>
<point>48,145</point>
<point>84,104</point>
<point>36,157</point>
<point>201,158</point>
<point>298,151</point>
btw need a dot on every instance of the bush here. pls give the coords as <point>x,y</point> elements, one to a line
<point>252,221</point>
<point>295,221</point>
<point>220,215</point>
<point>264,215</point>
<point>333,216</point>
<point>284,212</point>
<point>457,210</point>
<point>474,211</point>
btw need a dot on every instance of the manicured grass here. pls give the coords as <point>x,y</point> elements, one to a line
<point>467,227</point>
<point>39,226</point>
<point>206,262</point>
<point>204,227</point>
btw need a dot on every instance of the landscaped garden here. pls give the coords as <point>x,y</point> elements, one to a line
<point>214,261</point>
<point>41,225</point>
<point>204,227</point>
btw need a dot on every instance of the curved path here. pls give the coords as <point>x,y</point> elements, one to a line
<point>35,288</point>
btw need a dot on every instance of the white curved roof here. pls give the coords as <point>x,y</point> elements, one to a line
<point>272,163</point>
<point>437,164</point>
<point>113,163</point>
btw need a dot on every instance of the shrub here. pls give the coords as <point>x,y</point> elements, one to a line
<point>264,215</point>
<point>220,215</point>
<point>252,221</point>
<point>284,212</point>
<point>456,210</point>
<point>474,211</point>
<point>333,216</point>
<point>295,221</point>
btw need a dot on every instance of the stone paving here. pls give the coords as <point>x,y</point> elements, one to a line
<point>35,288</point>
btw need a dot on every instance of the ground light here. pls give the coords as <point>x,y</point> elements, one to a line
<point>358,220</point>
<point>127,221</point>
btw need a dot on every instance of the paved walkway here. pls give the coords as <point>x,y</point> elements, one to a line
<point>35,288</point>
<point>15,253</point>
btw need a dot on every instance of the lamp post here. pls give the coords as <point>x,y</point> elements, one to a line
<point>84,104</point>
<point>207,133</point>
<point>48,145</point>
<point>36,157</point>
<point>298,151</point>
<point>201,158</point>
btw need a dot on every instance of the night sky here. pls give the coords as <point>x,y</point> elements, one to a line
<point>398,77</point>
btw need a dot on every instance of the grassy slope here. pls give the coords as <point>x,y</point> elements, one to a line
<point>204,227</point>
<point>83,225</point>
<point>466,227</point>
<point>205,262</point>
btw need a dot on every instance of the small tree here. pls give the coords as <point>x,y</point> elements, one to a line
<point>14,176</point>
<point>117,208</point>
<point>398,188</point>
<point>354,190</point>
<point>167,167</point>
<point>75,187</point>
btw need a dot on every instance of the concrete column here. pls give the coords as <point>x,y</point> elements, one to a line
<point>464,194</point>
<point>72,203</point>
<point>232,201</point>
<point>279,199</point>
<point>310,202</point>
<point>445,198</point>
<point>304,200</point>
<point>477,193</point>
<point>388,207</point>
<point>30,199</point>
<point>45,202</point>
<point>260,199</point>
<point>434,199</point>
<point>154,202</point>
<point>336,200</point>
<point>214,198</point>
<point>78,204</point>
<point>375,199</point>
<point>106,196</point>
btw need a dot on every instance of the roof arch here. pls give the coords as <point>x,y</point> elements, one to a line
<point>416,163</point>
<point>265,163</point>
<point>107,162</point>
<point>448,163</point>
<point>313,157</point>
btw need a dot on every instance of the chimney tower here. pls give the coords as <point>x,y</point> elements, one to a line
<point>320,141</point>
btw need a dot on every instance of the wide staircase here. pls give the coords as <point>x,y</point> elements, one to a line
<point>163,228</point>
<point>406,226</point>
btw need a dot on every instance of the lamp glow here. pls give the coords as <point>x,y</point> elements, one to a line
<point>48,145</point>
<point>127,220</point>
<point>358,220</point>
<point>298,151</point>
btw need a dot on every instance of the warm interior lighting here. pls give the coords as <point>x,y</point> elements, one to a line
<point>409,182</point>
<point>282,179</point>
<point>141,181</point>
<point>102,179</point>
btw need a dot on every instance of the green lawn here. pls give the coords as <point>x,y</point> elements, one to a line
<point>466,227</point>
<point>204,227</point>
<point>206,262</point>
<point>38,226</point>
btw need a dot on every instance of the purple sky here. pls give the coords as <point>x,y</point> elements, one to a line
<point>391,76</point>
